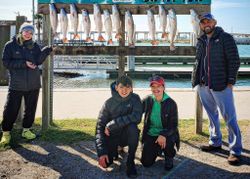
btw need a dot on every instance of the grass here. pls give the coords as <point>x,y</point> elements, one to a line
<point>74,130</point>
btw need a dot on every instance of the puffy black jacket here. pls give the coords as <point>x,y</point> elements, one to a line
<point>15,55</point>
<point>169,119</point>
<point>222,59</point>
<point>116,113</point>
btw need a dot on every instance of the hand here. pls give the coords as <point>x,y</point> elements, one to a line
<point>107,131</point>
<point>31,65</point>
<point>161,140</point>
<point>103,160</point>
<point>230,86</point>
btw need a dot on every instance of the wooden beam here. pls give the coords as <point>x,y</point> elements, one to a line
<point>116,50</point>
<point>180,9</point>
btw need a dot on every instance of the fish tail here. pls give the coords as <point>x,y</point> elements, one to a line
<point>118,36</point>
<point>164,35</point>
<point>100,38</point>
<point>110,42</point>
<point>76,36</point>
<point>88,39</point>
<point>65,40</point>
<point>154,42</point>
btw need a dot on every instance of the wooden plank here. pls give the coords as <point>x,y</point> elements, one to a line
<point>198,114</point>
<point>181,9</point>
<point>115,50</point>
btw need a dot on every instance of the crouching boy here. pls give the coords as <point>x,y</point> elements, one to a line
<point>117,125</point>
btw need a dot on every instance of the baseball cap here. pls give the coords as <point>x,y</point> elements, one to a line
<point>208,16</point>
<point>27,27</point>
<point>157,80</point>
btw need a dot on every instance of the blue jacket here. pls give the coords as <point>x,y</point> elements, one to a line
<point>15,55</point>
<point>222,60</point>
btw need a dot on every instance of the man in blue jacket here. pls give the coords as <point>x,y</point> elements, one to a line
<point>21,56</point>
<point>215,71</point>
<point>117,125</point>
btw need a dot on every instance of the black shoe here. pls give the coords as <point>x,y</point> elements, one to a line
<point>209,148</point>
<point>233,159</point>
<point>169,163</point>
<point>131,171</point>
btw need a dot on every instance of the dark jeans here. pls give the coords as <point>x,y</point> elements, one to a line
<point>12,107</point>
<point>151,149</point>
<point>128,136</point>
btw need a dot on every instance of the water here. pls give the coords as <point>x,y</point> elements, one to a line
<point>99,79</point>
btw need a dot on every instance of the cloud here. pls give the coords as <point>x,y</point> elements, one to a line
<point>225,5</point>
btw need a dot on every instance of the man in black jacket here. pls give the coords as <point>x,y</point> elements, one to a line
<point>160,131</point>
<point>215,71</point>
<point>117,124</point>
<point>21,56</point>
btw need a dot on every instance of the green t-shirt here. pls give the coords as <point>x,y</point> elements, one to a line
<point>155,118</point>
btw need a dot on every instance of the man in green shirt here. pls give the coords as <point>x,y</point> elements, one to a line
<point>160,132</point>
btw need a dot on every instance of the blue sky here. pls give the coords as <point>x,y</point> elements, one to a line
<point>232,15</point>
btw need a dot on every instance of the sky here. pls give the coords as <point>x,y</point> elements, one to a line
<point>231,15</point>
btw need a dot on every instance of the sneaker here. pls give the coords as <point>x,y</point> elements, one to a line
<point>5,141</point>
<point>27,134</point>
<point>233,159</point>
<point>131,171</point>
<point>169,163</point>
<point>209,148</point>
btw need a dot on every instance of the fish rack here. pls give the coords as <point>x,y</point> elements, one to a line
<point>121,50</point>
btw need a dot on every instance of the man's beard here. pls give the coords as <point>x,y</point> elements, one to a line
<point>208,30</point>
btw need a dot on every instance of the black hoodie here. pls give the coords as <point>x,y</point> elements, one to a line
<point>15,55</point>
<point>116,113</point>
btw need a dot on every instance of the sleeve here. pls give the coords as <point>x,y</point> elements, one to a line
<point>43,54</point>
<point>133,117</point>
<point>100,140</point>
<point>9,62</point>
<point>232,58</point>
<point>172,125</point>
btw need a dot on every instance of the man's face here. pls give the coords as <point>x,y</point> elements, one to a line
<point>27,34</point>
<point>123,91</point>
<point>157,90</point>
<point>207,25</point>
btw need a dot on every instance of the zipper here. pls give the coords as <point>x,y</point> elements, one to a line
<point>208,64</point>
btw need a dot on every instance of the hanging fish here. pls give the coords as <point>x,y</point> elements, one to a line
<point>172,24</point>
<point>195,21</point>
<point>116,22</point>
<point>74,20</point>
<point>130,26</point>
<point>151,26</point>
<point>53,18</point>
<point>108,26</point>
<point>98,21</point>
<point>64,25</point>
<point>163,21</point>
<point>86,24</point>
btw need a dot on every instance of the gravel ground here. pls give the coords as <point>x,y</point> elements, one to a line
<point>47,160</point>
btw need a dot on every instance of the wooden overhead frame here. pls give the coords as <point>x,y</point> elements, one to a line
<point>135,9</point>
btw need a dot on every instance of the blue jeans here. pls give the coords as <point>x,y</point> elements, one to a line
<point>212,100</point>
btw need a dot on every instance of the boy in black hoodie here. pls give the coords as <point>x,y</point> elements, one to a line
<point>117,124</point>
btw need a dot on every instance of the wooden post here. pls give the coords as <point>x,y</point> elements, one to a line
<point>198,114</point>
<point>19,21</point>
<point>47,86</point>
<point>121,62</point>
<point>5,37</point>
